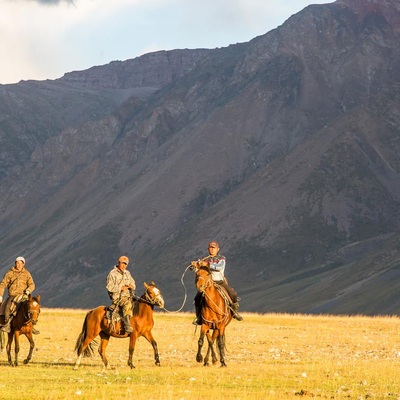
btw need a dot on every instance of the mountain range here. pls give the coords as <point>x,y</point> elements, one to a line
<point>284,149</point>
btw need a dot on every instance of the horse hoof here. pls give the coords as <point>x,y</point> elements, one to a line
<point>158,363</point>
<point>199,359</point>
<point>26,362</point>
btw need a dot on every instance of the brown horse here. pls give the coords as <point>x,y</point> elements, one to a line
<point>27,315</point>
<point>142,322</point>
<point>215,314</point>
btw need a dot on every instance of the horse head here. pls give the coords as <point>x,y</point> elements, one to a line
<point>33,308</point>
<point>153,294</point>
<point>203,278</point>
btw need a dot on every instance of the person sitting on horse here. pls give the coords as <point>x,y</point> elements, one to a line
<point>119,286</point>
<point>20,284</point>
<point>216,262</point>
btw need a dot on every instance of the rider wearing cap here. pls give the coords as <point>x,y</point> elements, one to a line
<point>119,284</point>
<point>216,262</point>
<point>19,283</point>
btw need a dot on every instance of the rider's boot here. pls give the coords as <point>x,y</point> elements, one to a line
<point>235,314</point>
<point>197,320</point>
<point>126,321</point>
<point>197,305</point>
<point>35,331</point>
<point>6,327</point>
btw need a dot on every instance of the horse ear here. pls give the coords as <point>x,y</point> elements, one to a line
<point>152,283</point>
<point>38,297</point>
<point>145,285</point>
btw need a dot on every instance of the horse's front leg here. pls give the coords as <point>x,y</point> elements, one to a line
<point>8,348</point>
<point>204,329</point>
<point>150,338</point>
<point>132,343</point>
<point>16,349</point>
<point>31,347</point>
<point>213,353</point>
<point>221,348</point>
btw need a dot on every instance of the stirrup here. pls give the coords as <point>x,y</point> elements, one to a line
<point>6,328</point>
<point>35,331</point>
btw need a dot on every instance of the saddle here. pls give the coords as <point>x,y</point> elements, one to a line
<point>9,307</point>
<point>113,314</point>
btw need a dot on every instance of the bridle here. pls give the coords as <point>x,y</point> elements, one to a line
<point>208,282</point>
<point>148,299</point>
<point>31,312</point>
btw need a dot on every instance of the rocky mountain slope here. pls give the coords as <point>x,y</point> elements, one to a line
<point>284,149</point>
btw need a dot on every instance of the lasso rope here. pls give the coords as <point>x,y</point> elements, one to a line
<point>185,296</point>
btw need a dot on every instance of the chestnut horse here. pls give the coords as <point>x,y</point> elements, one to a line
<point>142,322</point>
<point>22,323</point>
<point>215,314</point>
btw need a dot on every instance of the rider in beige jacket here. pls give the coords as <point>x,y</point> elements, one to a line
<point>19,283</point>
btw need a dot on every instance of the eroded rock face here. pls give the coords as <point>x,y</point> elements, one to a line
<point>285,149</point>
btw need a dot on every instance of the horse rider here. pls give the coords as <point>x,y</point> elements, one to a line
<point>20,284</point>
<point>119,286</point>
<point>216,262</point>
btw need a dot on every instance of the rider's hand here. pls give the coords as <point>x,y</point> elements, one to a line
<point>27,291</point>
<point>194,265</point>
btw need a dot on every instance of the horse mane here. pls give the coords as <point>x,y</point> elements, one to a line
<point>205,268</point>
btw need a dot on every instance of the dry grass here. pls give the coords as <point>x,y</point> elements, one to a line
<point>271,356</point>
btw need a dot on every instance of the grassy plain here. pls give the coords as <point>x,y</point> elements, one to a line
<point>269,356</point>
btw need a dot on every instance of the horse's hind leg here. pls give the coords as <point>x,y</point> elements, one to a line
<point>81,349</point>
<point>31,347</point>
<point>102,349</point>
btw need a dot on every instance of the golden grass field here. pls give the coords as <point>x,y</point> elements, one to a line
<point>269,356</point>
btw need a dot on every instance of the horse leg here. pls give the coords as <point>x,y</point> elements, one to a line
<point>199,357</point>
<point>16,348</point>
<point>102,348</point>
<point>210,348</point>
<point>8,348</point>
<point>31,346</point>
<point>221,347</point>
<point>132,342</point>
<point>150,338</point>
<point>213,353</point>
<point>84,339</point>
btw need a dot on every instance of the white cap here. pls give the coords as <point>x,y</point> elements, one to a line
<point>20,259</point>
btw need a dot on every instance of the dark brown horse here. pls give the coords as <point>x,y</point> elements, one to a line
<point>142,322</point>
<point>215,314</point>
<point>27,315</point>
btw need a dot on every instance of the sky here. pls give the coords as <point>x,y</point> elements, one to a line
<point>44,39</point>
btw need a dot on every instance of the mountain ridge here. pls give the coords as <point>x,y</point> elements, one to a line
<point>284,149</point>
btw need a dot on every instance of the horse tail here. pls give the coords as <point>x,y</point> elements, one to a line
<point>89,350</point>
